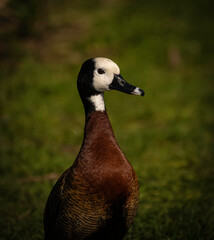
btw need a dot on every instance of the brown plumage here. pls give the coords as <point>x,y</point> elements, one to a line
<point>97,197</point>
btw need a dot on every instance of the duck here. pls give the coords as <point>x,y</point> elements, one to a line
<point>97,197</point>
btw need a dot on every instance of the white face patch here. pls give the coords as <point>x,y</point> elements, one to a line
<point>98,102</point>
<point>102,79</point>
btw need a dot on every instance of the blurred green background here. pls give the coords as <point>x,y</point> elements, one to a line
<point>165,47</point>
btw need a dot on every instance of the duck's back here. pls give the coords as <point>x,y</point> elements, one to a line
<point>97,197</point>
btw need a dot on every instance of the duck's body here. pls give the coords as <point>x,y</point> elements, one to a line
<point>97,197</point>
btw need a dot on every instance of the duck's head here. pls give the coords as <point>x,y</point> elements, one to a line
<point>98,75</point>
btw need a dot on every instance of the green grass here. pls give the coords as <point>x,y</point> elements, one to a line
<point>166,49</point>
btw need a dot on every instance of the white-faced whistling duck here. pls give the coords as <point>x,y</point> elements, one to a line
<point>97,197</point>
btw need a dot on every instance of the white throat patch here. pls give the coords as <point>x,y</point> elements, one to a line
<point>98,102</point>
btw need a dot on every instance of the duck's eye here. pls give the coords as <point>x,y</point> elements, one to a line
<point>100,71</point>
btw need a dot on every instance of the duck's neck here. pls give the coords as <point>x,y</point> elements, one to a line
<point>99,138</point>
<point>94,103</point>
<point>96,118</point>
<point>97,123</point>
<point>98,130</point>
